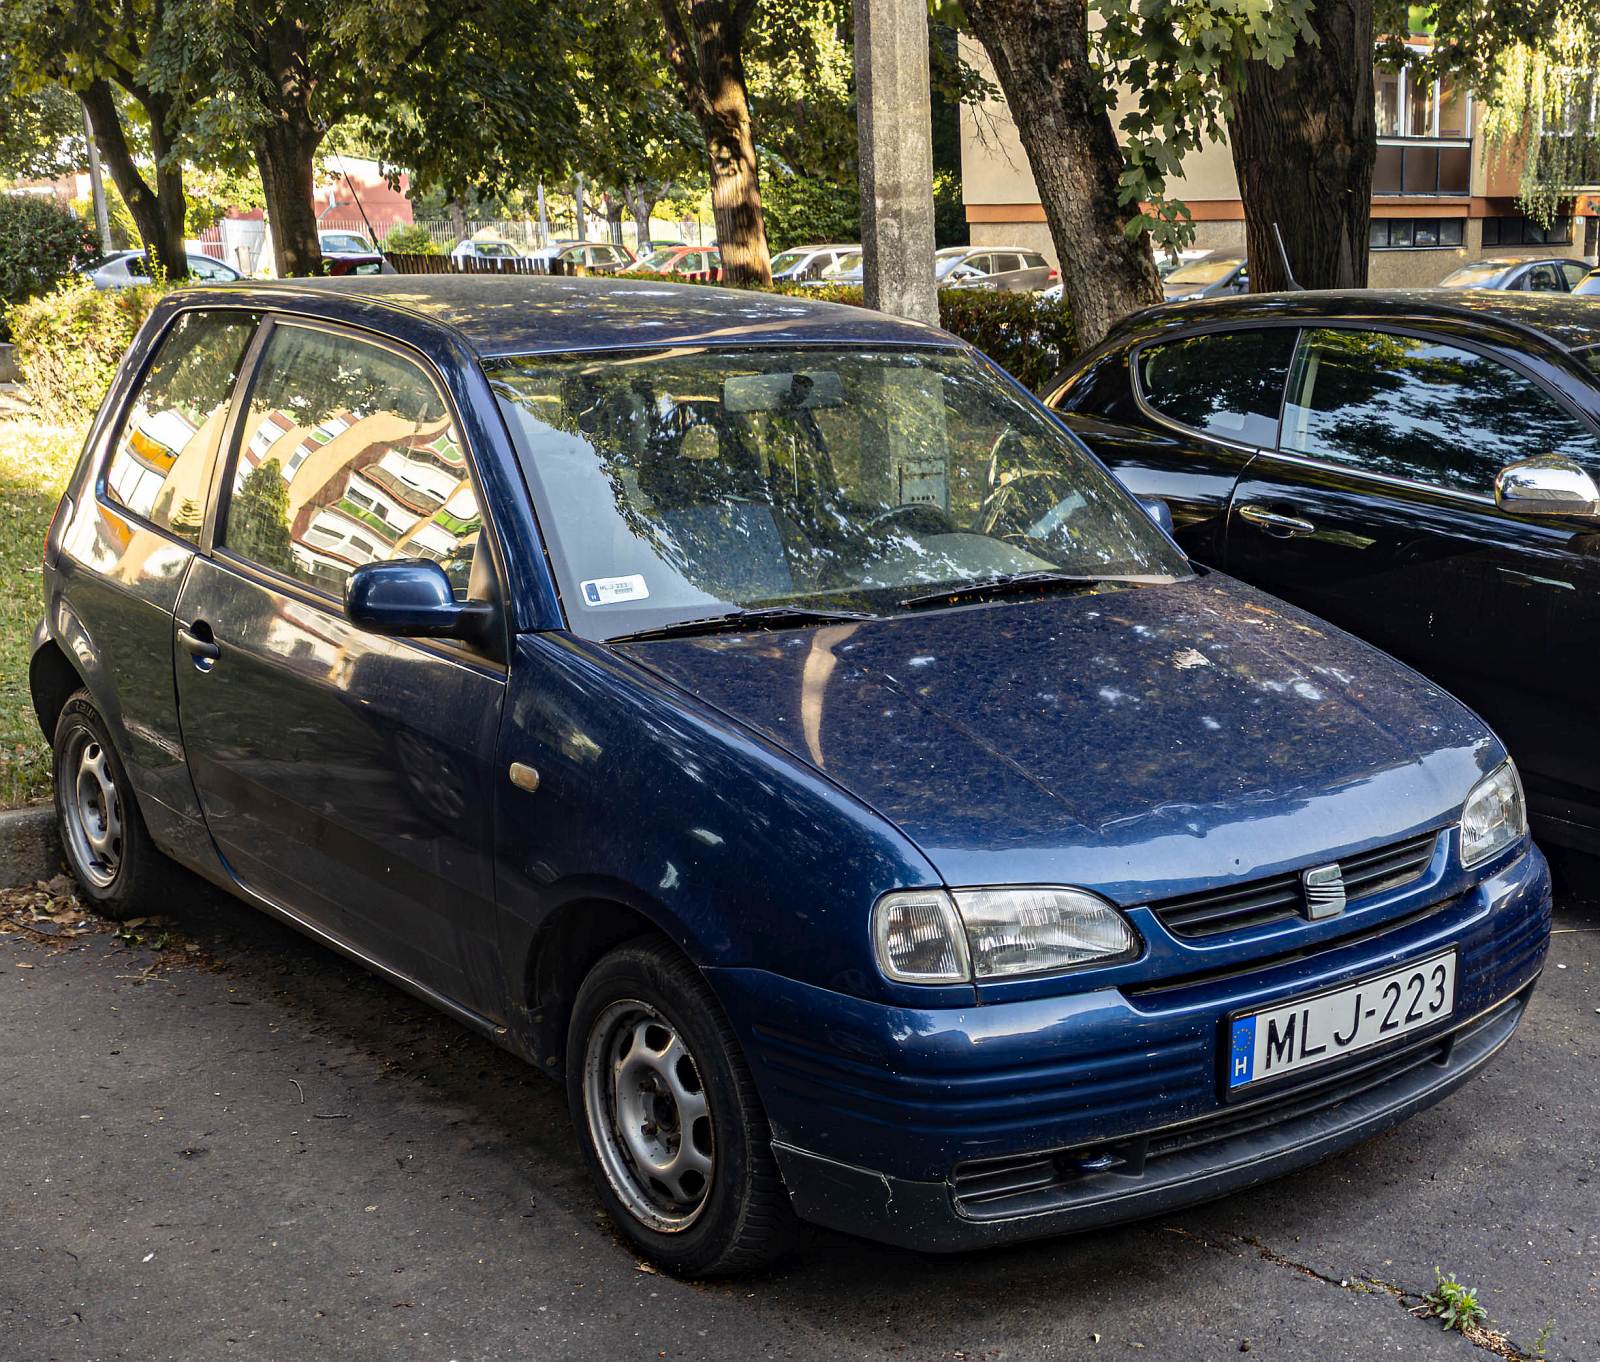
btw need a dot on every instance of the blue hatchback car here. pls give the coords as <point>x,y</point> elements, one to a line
<point>767,719</point>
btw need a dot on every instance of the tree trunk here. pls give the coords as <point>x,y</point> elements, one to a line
<point>1304,140</point>
<point>158,213</point>
<point>1040,53</point>
<point>614,210</point>
<point>285,155</point>
<point>707,54</point>
<point>580,209</point>
<point>642,205</point>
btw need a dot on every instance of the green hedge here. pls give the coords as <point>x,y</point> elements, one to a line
<point>69,343</point>
<point>40,242</point>
<point>1030,338</point>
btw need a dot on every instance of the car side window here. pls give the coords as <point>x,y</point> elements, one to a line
<point>1574,272</point>
<point>1226,384</point>
<point>1423,410</point>
<point>348,456</point>
<point>158,467</point>
<point>1543,279</point>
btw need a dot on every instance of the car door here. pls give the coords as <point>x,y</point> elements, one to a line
<point>128,548</point>
<point>1542,278</point>
<point>345,777</point>
<point>1179,419</point>
<point>1378,512</point>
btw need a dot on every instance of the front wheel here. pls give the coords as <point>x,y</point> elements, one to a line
<point>668,1117</point>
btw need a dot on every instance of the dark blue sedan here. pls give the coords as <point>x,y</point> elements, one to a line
<point>765,718</point>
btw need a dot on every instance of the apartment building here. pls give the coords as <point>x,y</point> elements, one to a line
<point>1439,197</point>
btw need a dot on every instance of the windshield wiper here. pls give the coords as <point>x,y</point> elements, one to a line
<point>1011,583</point>
<point>736,621</point>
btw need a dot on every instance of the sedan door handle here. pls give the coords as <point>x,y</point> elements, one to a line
<point>198,643</point>
<point>1275,522</point>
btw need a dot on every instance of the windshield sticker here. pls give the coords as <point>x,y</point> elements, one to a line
<point>614,590</point>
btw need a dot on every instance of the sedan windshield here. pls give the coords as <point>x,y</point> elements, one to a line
<point>684,485</point>
<point>1485,275</point>
<point>348,242</point>
<point>1209,271</point>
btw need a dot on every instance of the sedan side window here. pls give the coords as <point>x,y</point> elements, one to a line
<point>1574,273</point>
<point>1422,410</point>
<point>1229,385</point>
<point>349,456</point>
<point>158,468</point>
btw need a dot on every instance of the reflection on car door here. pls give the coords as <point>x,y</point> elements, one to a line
<point>344,776</point>
<point>1378,513</point>
<point>131,544</point>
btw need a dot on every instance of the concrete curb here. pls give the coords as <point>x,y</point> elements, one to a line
<point>30,850</point>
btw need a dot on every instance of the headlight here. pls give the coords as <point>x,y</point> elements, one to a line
<point>934,937</point>
<point>1494,816</point>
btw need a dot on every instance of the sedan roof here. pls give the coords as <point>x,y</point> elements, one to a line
<point>1567,322</point>
<point>505,314</point>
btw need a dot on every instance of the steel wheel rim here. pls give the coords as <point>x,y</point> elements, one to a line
<point>648,1116</point>
<point>92,810</point>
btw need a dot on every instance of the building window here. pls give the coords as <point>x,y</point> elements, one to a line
<point>1422,170</point>
<point>1406,234</point>
<point>1521,231</point>
<point>1409,104</point>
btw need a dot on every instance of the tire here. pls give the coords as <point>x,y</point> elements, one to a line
<point>119,871</point>
<point>643,1018</point>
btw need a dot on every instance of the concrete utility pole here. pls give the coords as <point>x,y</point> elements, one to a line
<point>97,188</point>
<point>895,119</point>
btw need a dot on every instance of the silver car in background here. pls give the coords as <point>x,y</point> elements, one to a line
<point>124,269</point>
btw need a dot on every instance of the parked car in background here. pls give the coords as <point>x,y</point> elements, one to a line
<point>678,259</point>
<point>347,252</point>
<point>1418,467</point>
<point>598,257</point>
<point>123,269</point>
<point>1556,275</point>
<point>775,726</point>
<point>1589,285</point>
<point>1211,276</point>
<point>805,264</point>
<point>1166,264</point>
<point>486,248</point>
<point>1002,269</point>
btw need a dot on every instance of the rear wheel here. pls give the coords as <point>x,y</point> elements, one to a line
<point>668,1117</point>
<point>118,869</point>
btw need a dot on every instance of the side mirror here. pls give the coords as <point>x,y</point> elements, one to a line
<point>1547,486</point>
<point>1158,511</point>
<point>412,598</point>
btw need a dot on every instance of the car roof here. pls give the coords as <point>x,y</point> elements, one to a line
<point>1559,319</point>
<point>505,314</point>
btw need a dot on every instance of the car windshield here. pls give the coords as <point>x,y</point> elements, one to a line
<point>681,485</point>
<point>1589,285</point>
<point>656,259</point>
<point>845,264</point>
<point>1485,274</point>
<point>787,260</point>
<point>1209,271</point>
<point>345,241</point>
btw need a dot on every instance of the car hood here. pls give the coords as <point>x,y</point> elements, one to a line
<point>1141,742</point>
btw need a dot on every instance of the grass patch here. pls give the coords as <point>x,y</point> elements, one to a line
<point>35,461</point>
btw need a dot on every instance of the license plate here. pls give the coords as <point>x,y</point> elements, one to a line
<point>1316,1030</point>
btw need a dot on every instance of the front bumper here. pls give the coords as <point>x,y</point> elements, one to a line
<point>954,1128</point>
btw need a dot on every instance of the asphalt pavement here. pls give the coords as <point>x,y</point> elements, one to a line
<point>222,1141</point>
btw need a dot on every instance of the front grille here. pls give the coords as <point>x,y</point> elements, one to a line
<point>1280,897</point>
<point>997,1188</point>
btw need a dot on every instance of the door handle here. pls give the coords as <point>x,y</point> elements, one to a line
<point>1275,523</point>
<point>198,643</point>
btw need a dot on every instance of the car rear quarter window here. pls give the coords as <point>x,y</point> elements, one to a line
<point>348,455</point>
<point>158,466</point>
<point>1225,384</point>
<point>1420,409</point>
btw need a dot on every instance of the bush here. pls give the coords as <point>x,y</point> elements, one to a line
<point>1029,338</point>
<point>802,212</point>
<point>70,341</point>
<point>40,242</point>
<point>411,239</point>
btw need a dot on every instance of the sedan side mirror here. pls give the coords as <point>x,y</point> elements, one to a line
<point>1546,486</point>
<point>412,598</point>
<point>1158,511</point>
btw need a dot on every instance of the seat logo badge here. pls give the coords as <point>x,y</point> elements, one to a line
<point>1324,891</point>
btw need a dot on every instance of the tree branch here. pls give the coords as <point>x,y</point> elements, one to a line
<point>682,57</point>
